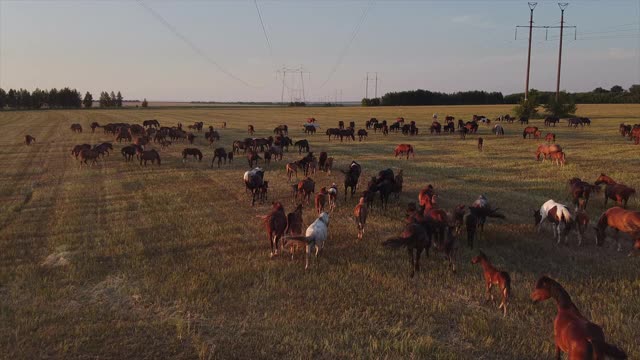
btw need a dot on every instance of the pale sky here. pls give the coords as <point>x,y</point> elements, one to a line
<point>167,50</point>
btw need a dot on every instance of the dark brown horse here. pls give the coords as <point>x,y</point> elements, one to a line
<point>529,131</point>
<point>28,139</point>
<point>295,223</point>
<point>76,128</point>
<point>574,334</point>
<point>306,188</point>
<point>414,237</point>
<point>250,130</point>
<point>191,152</point>
<point>253,157</point>
<point>150,155</point>
<point>493,276</point>
<point>351,178</point>
<point>614,191</point>
<point>221,155</point>
<point>78,149</point>
<point>619,219</point>
<point>581,190</point>
<point>276,224</point>
<point>89,154</point>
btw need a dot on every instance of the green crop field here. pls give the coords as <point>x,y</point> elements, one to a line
<point>122,261</point>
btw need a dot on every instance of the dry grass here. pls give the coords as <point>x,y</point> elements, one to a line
<point>119,261</point>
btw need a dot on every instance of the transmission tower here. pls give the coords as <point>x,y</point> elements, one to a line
<point>293,90</point>
<point>366,91</point>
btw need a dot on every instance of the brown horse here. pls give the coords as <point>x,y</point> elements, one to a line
<point>88,154</point>
<point>493,276</point>
<point>78,149</point>
<point>76,128</point>
<point>360,212</point>
<point>480,143</point>
<point>621,220</point>
<point>529,131</point>
<point>294,222</point>
<point>405,149</point>
<point>28,139</point>
<point>413,237</point>
<point>250,130</point>
<point>550,137</point>
<point>253,157</point>
<point>537,134</point>
<point>321,200</point>
<point>581,190</point>
<point>614,191</point>
<point>150,155</point>
<point>306,187</point>
<point>558,157</point>
<point>221,155</point>
<point>574,334</point>
<point>546,150</point>
<point>276,224</point>
<point>191,152</point>
<point>292,168</point>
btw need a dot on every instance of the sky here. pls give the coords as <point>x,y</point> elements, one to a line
<point>217,50</point>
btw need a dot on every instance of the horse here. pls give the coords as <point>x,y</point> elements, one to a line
<point>306,187</point>
<point>414,237</point>
<point>221,155</point>
<point>551,120</point>
<point>281,129</point>
<point>558,157</point>
<point>362,134</point>
<point>253,181</point>
<point>28,139</point>
<point>524,120</point>
<point>295,222</point>
<point>150,155</point>
<point>498,130</point>
<point>560,217</point>
<point>480,143</point>
<point>385,184</point>
<point>404,149</point>
<point>78,149</point>
<point>333,196</point>
<point>276,224</point>
<point>76,128</point>
<point>574,334</point>
<point>89,154</point>
<point>314,237</point>
<point>309,128</point>
<point>621,220</point>
<point>291,168</point>
<point>575,122</point>
<point>193,152</point>
<point>303,145</point>
<point>581,189</point>
<point>436,127</point>
<point>321,200</point>
<point>128,152</point>
<point>398,182</point>
<point>351,178</point>
<point>537,134</point>
<point>151,123</point>
<point>250,130</point>
<point>550,137</point>
<point>614,191</point>
<point>360,213</point>
<point>93,126</point>
<point>103,148</point>
<point>481,210</point>
<point>253,157</point>
<point>493,276</point>
<point>529,131</point>
<point>547,150</point>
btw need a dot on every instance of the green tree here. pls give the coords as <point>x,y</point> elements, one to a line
<point>528,108</point>
<point>564,107</point>
<point>112,102</point>
<point>600,90</point>
<point>3,98</point>
<point>105,100</point>
<point>119,99</point>
<point>88,100</point>
<point>617,89</point>
<point>144,103</point>
<point>635,89</point>
<point>12,99</point>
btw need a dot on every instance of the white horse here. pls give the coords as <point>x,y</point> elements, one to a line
<point>314,238</point>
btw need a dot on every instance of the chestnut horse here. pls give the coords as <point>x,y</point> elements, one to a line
<point>558,157</point>
<point>574,334</point>
<point>493,276</point>
<point>529,131</point>
<point>546,150</point>
<point>276,224</point>
<point>550,137</point>
<point>621,220</point>
<point>360,212</point>
<point>405,149</point>
<point>614,191</point>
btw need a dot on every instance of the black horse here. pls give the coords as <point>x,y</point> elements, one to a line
<point>351,178</point>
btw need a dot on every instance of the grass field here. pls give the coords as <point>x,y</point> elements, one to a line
<point>121,261</point>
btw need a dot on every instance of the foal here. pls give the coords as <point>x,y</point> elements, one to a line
<point>493,276</point>
<point>360,212</point>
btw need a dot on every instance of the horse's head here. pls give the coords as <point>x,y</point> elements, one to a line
<point>476,259</point>
<point>543,288</point>
<point>277,206</point>
<point>537,217</point>
<point>604,179</point>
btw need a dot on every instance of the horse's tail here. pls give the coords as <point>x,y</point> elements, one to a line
<point>600,348</point>
<point>396,242</point>
<point>506,292</point>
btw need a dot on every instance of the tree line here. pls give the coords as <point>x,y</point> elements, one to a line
<point>617,94</point>
<point>65,98</point>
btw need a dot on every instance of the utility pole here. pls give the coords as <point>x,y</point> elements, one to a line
<point>284,70</point>
<point>532,5</point>
<point>562,7</point>
<point>366,91</point>
<point>376,86</point>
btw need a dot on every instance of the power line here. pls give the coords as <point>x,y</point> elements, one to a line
<point>343,53</point>
<point>263,28</point>
<point>189,43</point>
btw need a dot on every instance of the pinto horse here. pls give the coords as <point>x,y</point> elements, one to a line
<point>621,220</point>
<point>405,149</point>
<point>574,334</point>
<point>557,214</point>
<point>529,131</point>
<point>253,181</point>
<point>614,191</point>
<point>493,276</point>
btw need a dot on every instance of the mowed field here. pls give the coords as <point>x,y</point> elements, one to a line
<point>121,261</point>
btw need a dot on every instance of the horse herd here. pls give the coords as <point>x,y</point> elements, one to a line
<point>425,226</point>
